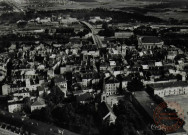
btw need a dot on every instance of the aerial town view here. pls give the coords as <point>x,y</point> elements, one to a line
<point>93,67</point>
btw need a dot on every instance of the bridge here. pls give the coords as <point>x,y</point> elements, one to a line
<point>96,38</point>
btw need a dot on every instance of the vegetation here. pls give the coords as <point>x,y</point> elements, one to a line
<point>135,85</point>
<point>128,120</point>
<point>80,118</point>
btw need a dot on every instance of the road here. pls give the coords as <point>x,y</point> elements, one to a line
<point>95,37</point>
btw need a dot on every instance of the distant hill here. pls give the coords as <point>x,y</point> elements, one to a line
<point>80,4</point>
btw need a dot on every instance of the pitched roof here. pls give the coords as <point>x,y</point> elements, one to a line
<point>38,103</point>
<point>150,39</point>
<point>170,84</point>
<point>111,79</point>
<point>59,79</point>
<point>84,97</point>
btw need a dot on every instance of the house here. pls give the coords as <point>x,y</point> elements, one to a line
<point>123,34</point>
<point>84,98</point>
<point>61,83</point>
<point>103,66</point>
<point>59,80</point>
<point>113,100</point>
<point>172,54</point>
<point>41,91</point>
<point>6,89</point>
<point>111,85</point>
<point>32,84</point>
<point>158,64</point>
<point>112,63</point>
<point>170,88</point>
<point>7,129</point>
<point>37,105</point>
<point>95,19</point>
<point>63,69</point>
<point>15,105</point>
<point>95,78</point>
<point>30,74</point>
<point>149,42</point>
<point>122,50</point>
<point>86,79</point>
<point>21,93</point>
<point>124,81</point>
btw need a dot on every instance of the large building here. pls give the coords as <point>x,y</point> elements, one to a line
<point>149,42</point>
<point>111,85</point>
<point>123,34</point>
<point>170,88</point>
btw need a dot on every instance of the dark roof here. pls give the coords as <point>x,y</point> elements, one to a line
<point>40,88</point>
<point>146,102</point>
<point>38,103</point>
<point>151,39</point>
<point>59,79</point>
<point>111,79</point>
<point>22,91</point>
<point>16,102</point>
<point>169,84</point>
<point>84,97</point>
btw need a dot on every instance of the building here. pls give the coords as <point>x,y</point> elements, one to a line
<point>6,89</point>
<point>149,42</point>
<point>6,129</point>
<point>113,100</point>
<point>15,106</point>
<point>123,34</point>
<point>111,85</point>
<point>84,98</point>
<point>37,105</point>
<point>21,93</point>
<point>61,82</point>
<point>170,88</point>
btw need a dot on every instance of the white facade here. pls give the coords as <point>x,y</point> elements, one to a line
<point>171,91</point>
<point>6,89</point>
<point>111,88</point>
<point>149,45</point>
<point>37,107</point>
<point>14,107</point>
<point>22,94</point>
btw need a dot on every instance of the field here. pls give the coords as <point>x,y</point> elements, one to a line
<point>182,100</point>
<point>172,13</point>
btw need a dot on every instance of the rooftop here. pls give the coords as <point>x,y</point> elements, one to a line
<point>150,39</point>
<point>145,101</point>
<point>169,84</point>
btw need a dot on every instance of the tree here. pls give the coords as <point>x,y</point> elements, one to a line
<point>179,77</point>
<point>135,85</point>
<point>105,25</point>
<point>56,96</point>
<point>27,104</point>
<point>42,115</point>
